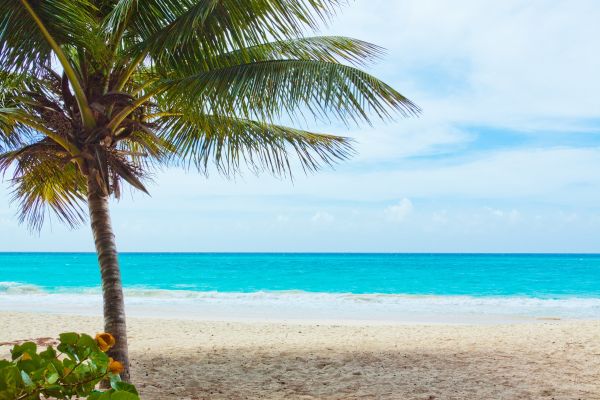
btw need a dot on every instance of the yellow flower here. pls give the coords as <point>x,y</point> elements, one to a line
<point>105,341</point>
<point>115,367</point>
<point>25,357</point>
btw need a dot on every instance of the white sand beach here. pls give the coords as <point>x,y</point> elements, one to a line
<point>194,359</point>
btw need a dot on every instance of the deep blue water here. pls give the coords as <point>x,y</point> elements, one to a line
<point>525,275</point>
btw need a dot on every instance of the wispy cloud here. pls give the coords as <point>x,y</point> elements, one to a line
<point>400,211</point>
<point>322,217</point>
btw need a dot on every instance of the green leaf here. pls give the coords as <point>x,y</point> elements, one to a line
<point>68,363</point>
<point>106,395</point>
<point>43,178</point>
<point>8,395</point>
<point>124,387</point>
<point>114,378</point>
<point>28,347</point>
<point>213,26</point>
<point>274,89</point>
<point>23,45</point>
<point>334,49</point>
<point>96,395</point>
<point>10,378</point>
<point>53,390</point>
<point>87,341</point>
<point>27,380</point>
<point>56,376</point>
<point>229,141</point>
<point>124,396</point>
<point>48,354</point>
<point>100,359</point>
<point>58,366</point>
<point>52,377</point>
<point>69,338</point>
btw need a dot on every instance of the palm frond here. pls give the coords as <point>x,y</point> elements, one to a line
<point>13,133</point>
<point>31,125</point>
<point>145,149</point>
<point>24,48</point>
<point>45,180</point>
<point>267,90</point>
<point>150,83</point>
<point>167,24</point>
<point>333,49</point>
<point>231,142</point>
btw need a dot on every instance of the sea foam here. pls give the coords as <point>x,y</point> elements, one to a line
<point>26,297</point>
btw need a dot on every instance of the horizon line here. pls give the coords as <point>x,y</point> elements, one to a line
<point>310,252</point>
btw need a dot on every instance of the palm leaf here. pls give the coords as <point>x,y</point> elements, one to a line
<point>13,133</point>
<point>230,141</point>
<point>216,25</point>
<point>45,180</point>
<point>155,82</point>
<point>332,49</point>
<point>271,89</point>
<point>70,22</point>
<point>146,150</point>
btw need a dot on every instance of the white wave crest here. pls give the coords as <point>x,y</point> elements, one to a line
<point>20,296</point>
<point>15,288</point>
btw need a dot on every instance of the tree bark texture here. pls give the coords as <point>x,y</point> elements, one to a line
<point>112,288</point>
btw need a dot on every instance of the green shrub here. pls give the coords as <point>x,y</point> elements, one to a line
<point>72,370</point>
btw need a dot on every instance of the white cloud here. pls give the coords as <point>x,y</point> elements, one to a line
<point>400,211</point>
<point>557,175</point>
<point>440,217</point>
<point>569,217</point>
<point>282,218</point>
<point>410,137</point>
<point>524,65</point>
<point>322,217</point>
<point>511,216</point>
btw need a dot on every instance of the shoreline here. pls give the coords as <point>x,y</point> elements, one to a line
<point>193,359</point>
<point>304,307</point>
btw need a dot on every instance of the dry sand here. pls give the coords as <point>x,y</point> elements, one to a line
<point>175,359</point>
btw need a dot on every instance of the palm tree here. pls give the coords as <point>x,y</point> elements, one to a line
<point>96,93</point>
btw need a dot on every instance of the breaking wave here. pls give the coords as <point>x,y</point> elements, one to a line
<point>14,294</point>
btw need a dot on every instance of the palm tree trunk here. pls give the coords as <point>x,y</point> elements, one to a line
<point>112,289</point>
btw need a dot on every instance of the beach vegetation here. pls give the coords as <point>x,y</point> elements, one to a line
<point>72,370</point>
<point>96,95</point>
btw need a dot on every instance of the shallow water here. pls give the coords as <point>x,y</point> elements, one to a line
<point>361,285</point>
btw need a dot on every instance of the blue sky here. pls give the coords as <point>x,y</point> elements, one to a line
<point>506,156</point>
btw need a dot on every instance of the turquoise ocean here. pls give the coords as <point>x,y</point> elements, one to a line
<point>562,285</point>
